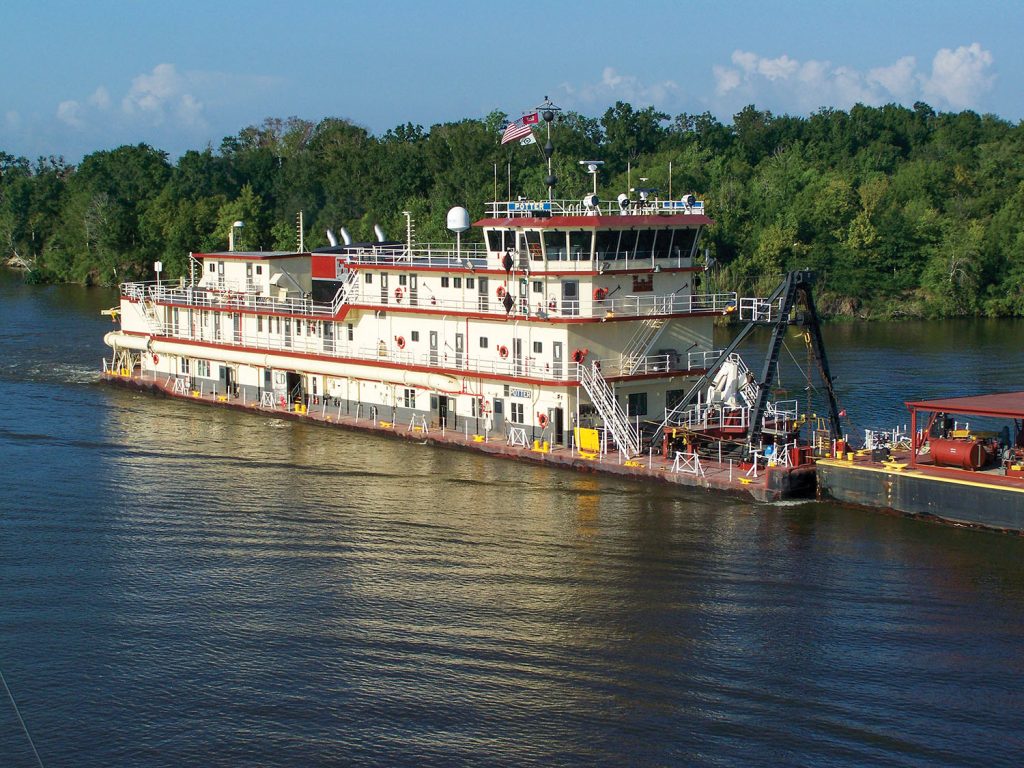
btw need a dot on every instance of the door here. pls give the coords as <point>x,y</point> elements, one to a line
<point>287,331</point>
<point>413,291</point>
<point>570,297</point>
<point>460,349</point>
<point>248,277</point>
<point>433,348</point>
<point>236,323</point>
<point>482,300</point>
<point>383,287</point>
<point>498,413</point>
<point>517,356</point>
<point>328,337</point>
<point>556,360</point>
<point>555,417</point>
<point>268,381</point>
<point>446,411</point>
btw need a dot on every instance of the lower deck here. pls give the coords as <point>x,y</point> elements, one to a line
<point>765,484</point>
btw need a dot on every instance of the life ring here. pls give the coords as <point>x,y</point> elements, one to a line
<point>542,419</point>
<point>156,358</point>
<point>400,341</point>
<point>600,294</point>
<point>552,305</point>
<point>502,351</point>
<point>398,294</point>
<point>579,355</point>
<point>501,291</point>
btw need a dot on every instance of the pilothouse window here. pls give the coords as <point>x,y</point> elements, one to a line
<point>554,244</point>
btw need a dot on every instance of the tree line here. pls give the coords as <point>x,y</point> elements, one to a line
<point>901,211</point>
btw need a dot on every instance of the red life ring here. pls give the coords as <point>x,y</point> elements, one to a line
<point>398,295</point>
<point>400,341</point>
<point>502,352</point>
<point>600,294</point>
<point>156,358</point>
<point>542,419</point>
<point>501,291</point>
<point>579,355</point>
<point>552,305</point>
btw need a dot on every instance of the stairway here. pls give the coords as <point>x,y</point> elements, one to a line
<point>608,409</point>
<point>156,325</point>
<point>749,387</point>
<point>638,347</point>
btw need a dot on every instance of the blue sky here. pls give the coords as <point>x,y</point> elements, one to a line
<point>82,76</point>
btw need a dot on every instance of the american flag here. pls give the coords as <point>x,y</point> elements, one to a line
<point>518,129</point>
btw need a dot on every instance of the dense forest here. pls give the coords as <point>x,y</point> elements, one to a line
<point>902,212</point>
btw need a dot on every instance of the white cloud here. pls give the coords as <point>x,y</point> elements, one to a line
<point>958,80</point>
<point>70,113</point>
<point>614,86</point>
<point>958,76</point>
<point>100,98</point>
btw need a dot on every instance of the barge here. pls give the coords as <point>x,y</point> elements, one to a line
<point>942,468</point>
<point>575,333</point>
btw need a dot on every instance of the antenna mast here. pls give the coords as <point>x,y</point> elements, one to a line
<point>548,111</point>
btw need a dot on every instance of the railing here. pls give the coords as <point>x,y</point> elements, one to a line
<point>625,306</point>
<point>702,417</point>
<point>760,310</point>
<point>532,208</point>
<point>615,421</point>
<point>623,365</point>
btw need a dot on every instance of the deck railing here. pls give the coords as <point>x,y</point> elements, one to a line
<point>631,305</point>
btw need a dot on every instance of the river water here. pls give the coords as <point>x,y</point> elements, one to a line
<point>182,585</point>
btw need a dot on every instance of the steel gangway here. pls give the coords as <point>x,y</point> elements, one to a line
<point>615,420</point>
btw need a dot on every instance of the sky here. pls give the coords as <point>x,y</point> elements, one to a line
<point>76,77</point>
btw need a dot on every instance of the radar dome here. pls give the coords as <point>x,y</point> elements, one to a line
<point>458,219</point>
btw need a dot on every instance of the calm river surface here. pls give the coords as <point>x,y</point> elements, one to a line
<point>181,585</point>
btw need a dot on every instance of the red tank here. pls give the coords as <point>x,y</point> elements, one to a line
<point>966,454</point>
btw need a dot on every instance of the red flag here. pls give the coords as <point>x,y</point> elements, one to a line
<point>531,119</point>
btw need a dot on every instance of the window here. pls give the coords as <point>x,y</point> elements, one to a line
<point>673,397</point>
<point>210,267</point>
<point>606,244</point>
<point>471,283</point>
<point>637,403</point>
<point>369,278</point>
<point>409,398</point>
<point>554,244</point>
<point>184,361</point>
<point>483,342</point>
<point>538,286</point>
<point>444,282</point>
<point>533,245</point>
<point>517,415</point>
<point>579,245</point>
<point>203,368</point>
<point>475,407</point>
<point>351,333</point>
<point>456,282</point>
<point>538,347</point>
<point>403,279</point>
<point>259,269</point>
<point>414,336</point>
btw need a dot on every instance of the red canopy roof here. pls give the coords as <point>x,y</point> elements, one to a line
<point>1006,404</point>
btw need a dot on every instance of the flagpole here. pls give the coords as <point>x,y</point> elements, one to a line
<point>495,182</point>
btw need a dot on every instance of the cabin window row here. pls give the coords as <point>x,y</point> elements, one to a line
<point>604,245</point>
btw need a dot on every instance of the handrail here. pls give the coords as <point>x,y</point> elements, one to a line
<point>531,208</point>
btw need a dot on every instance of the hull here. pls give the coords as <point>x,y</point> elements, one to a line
<point>973,501</point>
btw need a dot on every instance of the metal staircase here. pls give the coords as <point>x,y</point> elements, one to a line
<point>347,292</point>
<point>643,340</point>
<point>156,325</point>
<point>749,388</point>
<point>608,409</point>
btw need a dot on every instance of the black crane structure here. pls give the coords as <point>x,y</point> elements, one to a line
<point>791,303</point>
